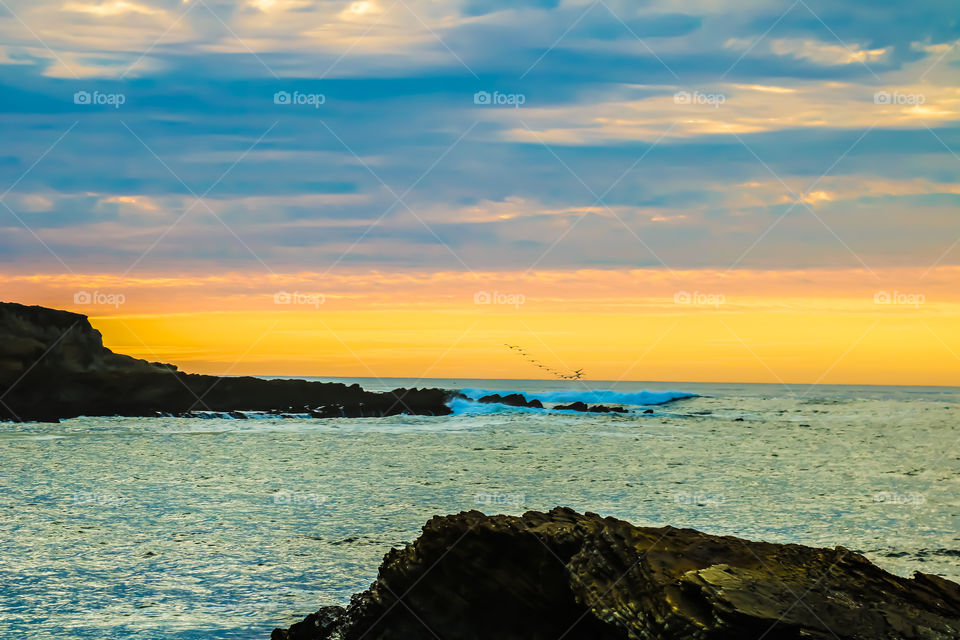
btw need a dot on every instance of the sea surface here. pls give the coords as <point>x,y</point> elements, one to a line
<point>176,529</point>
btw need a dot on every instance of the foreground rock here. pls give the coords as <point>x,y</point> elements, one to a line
<point>53,365</point>
<point>546,576</point>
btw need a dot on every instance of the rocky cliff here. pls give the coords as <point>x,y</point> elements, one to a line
<point>565,575</point>
<point>53,365</point>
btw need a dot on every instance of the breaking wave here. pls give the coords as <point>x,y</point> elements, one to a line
<point>622,398</point>
<point>466,407</point>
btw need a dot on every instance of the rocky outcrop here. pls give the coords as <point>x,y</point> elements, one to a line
<point>511,400</point>
<point>53,365</point>
<point>545,576</point>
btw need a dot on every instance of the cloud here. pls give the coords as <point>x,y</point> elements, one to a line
<point>114,8</point>
<point>648,134</point>
<point>483,7</point>
<point>725,109</point>
<point>825,53</point>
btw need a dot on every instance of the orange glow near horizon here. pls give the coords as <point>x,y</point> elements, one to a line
<point>696,346</point>
<point>826,327</point>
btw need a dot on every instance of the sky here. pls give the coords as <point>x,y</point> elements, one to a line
<point>696,190</point>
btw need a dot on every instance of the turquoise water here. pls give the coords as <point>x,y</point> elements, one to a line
<point>209,528</point>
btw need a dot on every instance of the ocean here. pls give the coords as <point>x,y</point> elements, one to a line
<point>176,529</point>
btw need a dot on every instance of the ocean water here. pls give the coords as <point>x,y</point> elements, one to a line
<point>178,529</point>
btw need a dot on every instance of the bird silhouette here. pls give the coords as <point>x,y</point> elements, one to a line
<point>576,375</point>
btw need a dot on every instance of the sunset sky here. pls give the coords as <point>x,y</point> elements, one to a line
<point>758,191</point>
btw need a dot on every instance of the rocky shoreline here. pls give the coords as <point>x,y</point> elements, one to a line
<point>562,574</point>
<point>53,366</point>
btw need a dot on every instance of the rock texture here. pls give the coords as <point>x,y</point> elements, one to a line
<point>546,576</point>
<point>53,365</point>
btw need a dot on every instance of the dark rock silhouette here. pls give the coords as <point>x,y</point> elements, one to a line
<point>582,406</point>
<point>53,365</point>
<point>562,574</point>
<point>512,400</point>
<point>573,406</point>
<point>599,408</point>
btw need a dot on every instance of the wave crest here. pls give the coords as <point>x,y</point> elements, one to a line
<point>643,398</point>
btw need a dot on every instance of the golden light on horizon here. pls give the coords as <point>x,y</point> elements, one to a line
<point>859,346</point>
<point>833,326</point>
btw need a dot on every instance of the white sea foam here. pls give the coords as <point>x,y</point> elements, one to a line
<point>466,407</point>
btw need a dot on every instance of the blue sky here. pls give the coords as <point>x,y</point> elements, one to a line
<point>681,135</point>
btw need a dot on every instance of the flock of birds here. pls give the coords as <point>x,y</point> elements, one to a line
<point>576,375</point>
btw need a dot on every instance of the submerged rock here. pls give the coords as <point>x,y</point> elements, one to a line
<point>562,574</point>
<point>582,406</point>
<point>600,408</point>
